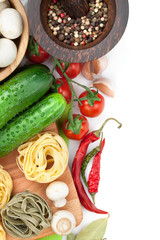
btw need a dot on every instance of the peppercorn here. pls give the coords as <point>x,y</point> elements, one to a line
<point>67,30</point>
<point>92,25</point>
<point>61,37</point>
<point>90,39</point>
<point>58,12</point>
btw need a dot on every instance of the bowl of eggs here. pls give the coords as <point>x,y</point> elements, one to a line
<point>14,36</point>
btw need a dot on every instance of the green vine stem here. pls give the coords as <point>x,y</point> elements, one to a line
<point>91,95</point>
<point>98,132</point>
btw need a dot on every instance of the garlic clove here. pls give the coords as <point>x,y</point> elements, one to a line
<point>86,71</point>
<point>99,65</point>
<point>105,86</point>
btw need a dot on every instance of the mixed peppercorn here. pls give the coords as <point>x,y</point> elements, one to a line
<point>80,31</point>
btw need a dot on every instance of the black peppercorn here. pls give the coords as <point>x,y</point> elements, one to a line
<point>53,23</point>
<point>50,17</point>
<point>72,21</point>
<point>61,37</point>
<point>58,12</point>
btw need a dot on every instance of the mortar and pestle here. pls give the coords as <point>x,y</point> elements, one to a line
<point>118,11</point>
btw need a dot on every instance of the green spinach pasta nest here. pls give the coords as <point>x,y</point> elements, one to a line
<point>26,215</point>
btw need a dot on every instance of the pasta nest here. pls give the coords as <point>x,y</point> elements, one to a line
<point>43,158</point>
<point>26,215</point>
<point>2,233</point>
<point>6,186</point>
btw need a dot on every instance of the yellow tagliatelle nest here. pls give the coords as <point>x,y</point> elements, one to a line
<point>44,158</point>
<point>6,186</point>
<point>2,233</point>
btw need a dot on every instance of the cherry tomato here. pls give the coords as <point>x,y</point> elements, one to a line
<point>84,128</point>
<point>73,70</point>
<point>35,53</point>
<point>96,109</point>
<point>64,89</point>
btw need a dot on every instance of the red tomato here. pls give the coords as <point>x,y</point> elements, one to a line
<point>83,132</point>
<point>35,53</point>
<point>73,70</point>
<point>64,89</point>
<point>91,111</point>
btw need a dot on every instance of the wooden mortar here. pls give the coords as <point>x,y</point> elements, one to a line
<point>118,11</point>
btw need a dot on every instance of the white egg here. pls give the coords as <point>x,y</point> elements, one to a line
<point>8,52</point>
<point>4,4</point>
<point>11,23</point>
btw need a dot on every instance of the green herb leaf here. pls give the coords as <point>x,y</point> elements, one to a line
<point>75,124</point>
<point>33,47</point>
<point>91,97</point>
<point>94,231</point>
<point>71,236</point>
<point>52,237</point>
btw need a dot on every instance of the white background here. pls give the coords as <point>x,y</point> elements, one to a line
<point>130,173</point>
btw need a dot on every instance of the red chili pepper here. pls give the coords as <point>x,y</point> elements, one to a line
<point>94,175</point>
<point>76,171</point>
<point>77,164</point>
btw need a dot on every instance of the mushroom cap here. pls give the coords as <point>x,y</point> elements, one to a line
<point>63,222</point>
<point>57,190</point>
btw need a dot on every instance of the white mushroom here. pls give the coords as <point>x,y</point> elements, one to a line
<point>8,52</point>
<point>63,222</point>
<point>57,192</point>
<point>11,23</point>
<point>4,4</point>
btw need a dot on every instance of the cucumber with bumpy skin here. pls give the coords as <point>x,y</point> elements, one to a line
<point>30,122</point>
<point>22,90</point>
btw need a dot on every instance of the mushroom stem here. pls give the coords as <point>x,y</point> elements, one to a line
<point>60,203</point>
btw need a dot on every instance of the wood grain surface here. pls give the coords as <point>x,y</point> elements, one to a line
<point>21,42</point>
<point>21,184</point>
<point>76,8</point>
<point>118,11</point>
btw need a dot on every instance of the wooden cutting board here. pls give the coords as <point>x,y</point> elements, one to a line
<point>20,184</point>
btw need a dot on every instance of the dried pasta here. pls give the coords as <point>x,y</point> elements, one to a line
<point>26,215</point>
<point>2,233</point>
<point>6,186</point>
<point>36,155</point>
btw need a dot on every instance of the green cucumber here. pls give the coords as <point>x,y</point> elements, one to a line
<point>30,122</point>
<point>22,90</point>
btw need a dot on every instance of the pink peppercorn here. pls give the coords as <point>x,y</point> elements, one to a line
<point>83,43</point>
<point>62,15</point>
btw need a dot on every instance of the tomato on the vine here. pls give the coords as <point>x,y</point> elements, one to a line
<point>80,125</point>
<point>35,53</point>
<point>64,88</point>
<point>72,71</point>
<point>92,105</point>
